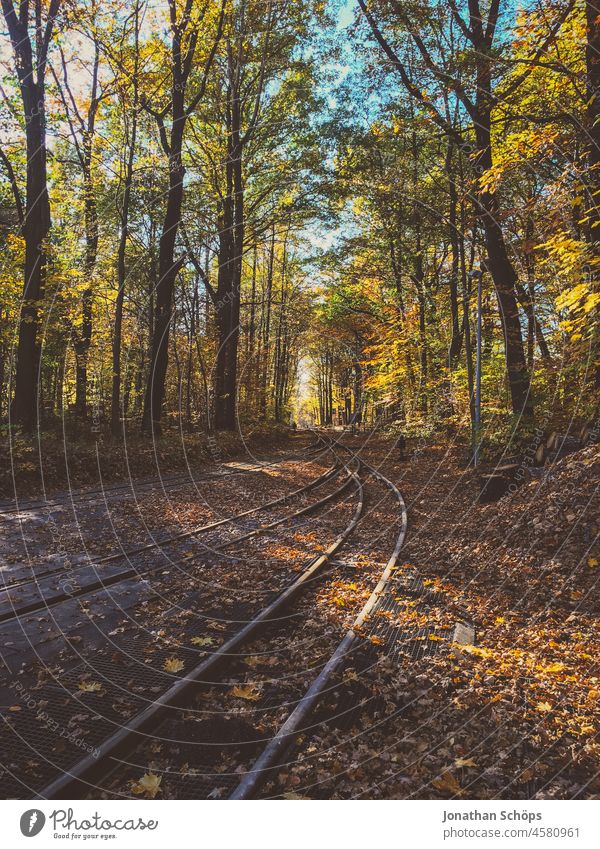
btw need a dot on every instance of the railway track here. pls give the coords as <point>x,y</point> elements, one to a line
<point>52,586</point>
<point>287,521</point>
<point>134,487</point>
<point>213,722</point>
<point>299,720</point>
<point>283,707</point>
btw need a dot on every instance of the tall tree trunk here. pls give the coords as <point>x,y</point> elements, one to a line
<point>223,312</point>
<point>184,41</point>
<point>240,128</point>
<point>2,371</point>
<point>500,267</point>
<point>82,339</point>
<point>267,327</point>
<point>250,339</point>
<point>115,397</point>
<point>229,412</point>
<point>592,55</point>
<point>230,268</point>
<point>168,268</point>
<point>280,342</point>
<point>456,340</point>
<point>83,139</point>
<point>37,219</point>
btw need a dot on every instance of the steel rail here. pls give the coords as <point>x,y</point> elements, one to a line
<point>124,555</point>
<point>113,490</point>
<point>124,738</point>
<point>133,572</point>
<point>277,748</point>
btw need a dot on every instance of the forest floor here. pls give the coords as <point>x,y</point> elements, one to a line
<point>516,714</point>
<point>513,715</point>
<point>50,461</point>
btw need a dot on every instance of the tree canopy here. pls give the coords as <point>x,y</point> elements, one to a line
<point>237,210</point>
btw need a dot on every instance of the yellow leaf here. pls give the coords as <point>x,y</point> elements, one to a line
<point>377,641</point>
<point>173,664</point>
<point>203,641</point>
<point>543,707</point>
<point>90,686</point>
<point>554,667</point>
<point>148,785</point>
<point>464,762</point>
<point>593,562</point>
<point>478,651</point>
<point>500,620</point>
<point>247,691</point>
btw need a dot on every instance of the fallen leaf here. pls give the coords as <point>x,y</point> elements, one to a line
<point>554,667</point>
<point>173,664</point>
<point>447,783</point>
<point>247,691</point>
<point>464,762</point>
<point>478,651</point>
<point>543,707</point>
<point>148,785</point>
<point>216,793</point>
<point>593,562</point>
<point>90,686</point>
<point>203,641</point>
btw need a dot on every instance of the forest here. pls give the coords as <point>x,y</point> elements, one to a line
<point>299,400</point>
<point>214,213</point>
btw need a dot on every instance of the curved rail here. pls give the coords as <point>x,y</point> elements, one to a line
<point>124,555</point>
<point>283,740</point>
<point>9,507</point>
<point>127,736</point>
<point>133,572</point>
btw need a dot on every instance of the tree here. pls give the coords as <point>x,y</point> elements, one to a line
<point>30,56</point>
<point>478,32</point>
<point>81,119</point>
<point>592,58</point>
<point>189,26</point>
<point>127,64</point>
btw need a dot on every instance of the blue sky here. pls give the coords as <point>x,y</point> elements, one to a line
<point>346,15</point>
